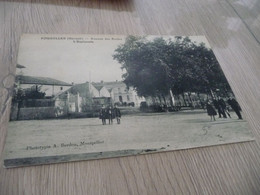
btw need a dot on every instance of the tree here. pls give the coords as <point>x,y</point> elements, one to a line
<point>153,67</point>
<point>19,95</point>
<point>34,93</point>
<point>140,59</point>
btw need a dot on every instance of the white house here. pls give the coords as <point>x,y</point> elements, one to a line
<point>49,86</point>
<point>119,92</point>
<point>102,90</point>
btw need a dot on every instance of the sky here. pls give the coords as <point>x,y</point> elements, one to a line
<point>74,58</point>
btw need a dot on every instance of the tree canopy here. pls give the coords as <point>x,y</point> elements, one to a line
<point>155,66</point>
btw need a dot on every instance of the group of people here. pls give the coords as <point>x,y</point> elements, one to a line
<point>110,114</point>
<point>222,110</point>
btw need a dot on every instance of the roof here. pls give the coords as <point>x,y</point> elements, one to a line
<point>81,89</point>
<point>110,85</point>
<point>40,80</point>
<point>98,86</point>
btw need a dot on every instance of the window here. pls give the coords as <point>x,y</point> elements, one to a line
<point>128,98</point>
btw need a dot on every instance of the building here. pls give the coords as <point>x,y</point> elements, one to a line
<point>49,86</point>
<point>103,91</point>
<point>120,94</point>
<point>62,99</point>
<point>89,97</point>
<point>84,97</point>
<point>33,97</point>
<point>67,102</point>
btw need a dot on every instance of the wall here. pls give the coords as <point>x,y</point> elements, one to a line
<point>131,93</point>
<point>94,91</point>
<point>33,113</point>
<point>104,92</point>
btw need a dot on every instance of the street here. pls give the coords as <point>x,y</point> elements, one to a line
<point>150,132</point>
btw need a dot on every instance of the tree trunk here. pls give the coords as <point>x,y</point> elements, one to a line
<point>179,101</point>
<point>198,94</point>
<point>211,94</point>
<point>160,99</point>
<point>153,100</point>
<point>184,101</point>
<point>164,100</point>
<point>191,101</point>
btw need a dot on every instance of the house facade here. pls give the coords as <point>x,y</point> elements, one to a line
<point>33,97</point>
<point>84,97</point>
<point>120,94</point>
<point>61,98</point>
<point>49,86</point>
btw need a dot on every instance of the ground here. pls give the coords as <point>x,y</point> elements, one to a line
<point>136,134</point>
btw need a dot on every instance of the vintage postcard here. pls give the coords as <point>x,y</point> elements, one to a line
<point>81,97</point>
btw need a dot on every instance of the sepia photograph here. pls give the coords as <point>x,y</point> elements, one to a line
<point>83,97</point>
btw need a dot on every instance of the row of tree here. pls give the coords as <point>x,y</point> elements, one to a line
<point>156,66</point>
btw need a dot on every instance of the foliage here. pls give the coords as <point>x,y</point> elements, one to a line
<point>30,93</point>
<point>153,67</point>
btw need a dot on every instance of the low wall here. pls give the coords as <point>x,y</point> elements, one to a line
<point>34,113</point>
<point>49,112</point>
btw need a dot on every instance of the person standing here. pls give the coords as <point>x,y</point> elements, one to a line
<point>102,114</point>
<point>235,106</point>
<point>219,108</point>
<point>211,111</point>
<point>117,114</point>
<point>216,105</point>
<point>223,106</point>
<point>110,114</point>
